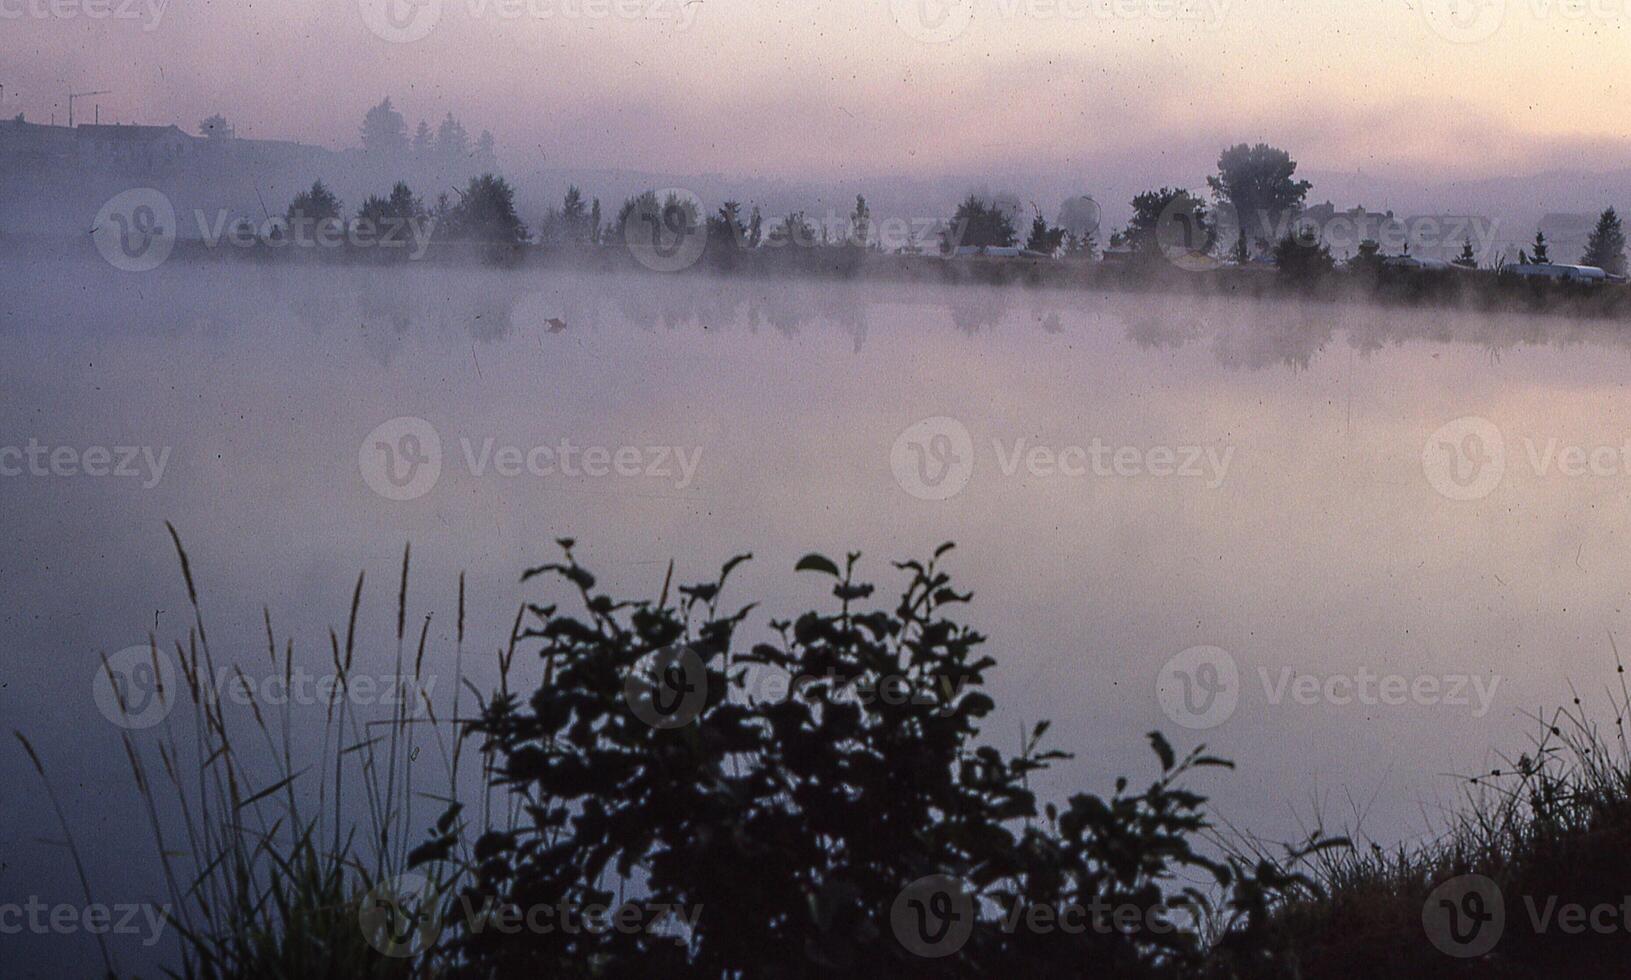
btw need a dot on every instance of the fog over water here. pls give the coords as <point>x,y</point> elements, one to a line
<point>1256,478</point>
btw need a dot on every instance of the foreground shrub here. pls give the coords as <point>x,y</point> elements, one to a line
<point>799,830</point>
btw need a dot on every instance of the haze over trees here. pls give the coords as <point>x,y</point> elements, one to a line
<point>313,205</point>
<point>980,224</point>
<point>1257,183</point>
<point>1187,212</point>
<point>1606,247</point>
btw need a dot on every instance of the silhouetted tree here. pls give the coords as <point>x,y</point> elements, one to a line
<point>794,229</point>
<point>756,228</point>
<point>1303,259</point>
<point>1468,258</point>
<point>485,158</point>
<point>860,223</point>
<point>1368,260</point>
<point>1606,247</point>
<point>316,204</point>
<point>574,217</point>
<point>725,230</point>
<point>400,204</point>
<point>980,225</point>
<point>216,127</point>
<point>1541,255</point>
<point>595,222</point>
<point>1257,183</point>
<point>384,132</point>
<point>423,142</point>
<point>452,143</point>
<point>1044,239</point>
<point>1185,215</point>
<point>486,213</point>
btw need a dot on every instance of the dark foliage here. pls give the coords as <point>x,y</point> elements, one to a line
<point>981,225</point>
<point>794,823</point>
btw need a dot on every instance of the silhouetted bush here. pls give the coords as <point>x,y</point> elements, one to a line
<point>795,823</point>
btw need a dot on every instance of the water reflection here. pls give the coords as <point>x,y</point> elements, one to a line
<point>1324,548</point>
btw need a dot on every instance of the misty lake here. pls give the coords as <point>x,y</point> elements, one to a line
<point>1352,549</point>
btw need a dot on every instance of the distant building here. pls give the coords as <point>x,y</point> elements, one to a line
<point>134,149</point>
<point>1342,231</point>
<point>27,146</point>
<point>141,151</point>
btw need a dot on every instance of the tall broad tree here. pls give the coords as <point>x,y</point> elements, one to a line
<point>1606,247</point>
<point>1189,227</point>
<point>452,142</point>
<point>317,204</point>
<point>1258,183</point>
<point>384,131</point>
<point>486,212</point>
<point>980,224</point>
<point>574,217</point>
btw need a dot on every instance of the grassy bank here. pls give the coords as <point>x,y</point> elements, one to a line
<point>859,823</point>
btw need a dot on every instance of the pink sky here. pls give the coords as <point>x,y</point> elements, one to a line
<point>829,89</point>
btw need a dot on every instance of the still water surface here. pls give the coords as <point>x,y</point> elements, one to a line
<point>1140,476</point>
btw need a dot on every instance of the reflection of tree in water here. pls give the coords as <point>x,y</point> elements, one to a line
<point>386,314</point>
<point>1163,332</point>
<point>1260,343</point>
<point>975,309</point>
<point>844,307</point>
<point>1254,337</point>
<point>483,305</point>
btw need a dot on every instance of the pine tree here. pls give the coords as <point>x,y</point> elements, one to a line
<point>860,223</point>
<point>1606,247</point>
<point>1468,258</point>
<point>1541,257</point>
